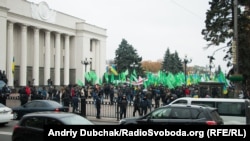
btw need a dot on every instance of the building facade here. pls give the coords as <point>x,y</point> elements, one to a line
<point>38,43</point>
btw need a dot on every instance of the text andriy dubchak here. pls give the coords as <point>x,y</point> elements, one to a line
<point>121,132</point>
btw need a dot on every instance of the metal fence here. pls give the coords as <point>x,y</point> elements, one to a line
<point>107,110</point>
<point>87,108</point>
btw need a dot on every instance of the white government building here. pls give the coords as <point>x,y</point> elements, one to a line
<point>46,44</point>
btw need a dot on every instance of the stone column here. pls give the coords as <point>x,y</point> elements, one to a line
<point>97,56</point>
<point>47,58</point>
<point>66,61</point>
<point>23,64</point>
<point>36,57</point>
<point>3,33</point>
<point>57,59</point>
<point>10,55</point>
<point>93,61</point>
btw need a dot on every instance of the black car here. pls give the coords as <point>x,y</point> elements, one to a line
<point>38,106</point>
<point>178,115</point>
<point>30,126</point>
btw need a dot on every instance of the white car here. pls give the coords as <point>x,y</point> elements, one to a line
<point>6,114</point>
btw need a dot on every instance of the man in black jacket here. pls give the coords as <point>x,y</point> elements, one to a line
<point>98,106</point>
<point>136,104</point>
<point>123,103</point>
<point>144,105</point>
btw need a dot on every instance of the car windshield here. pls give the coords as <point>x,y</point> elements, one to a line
<point>76,120</point>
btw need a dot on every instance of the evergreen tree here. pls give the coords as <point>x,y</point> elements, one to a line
<point>166,61</point>
<point>220,20</point>
<point>178,67</point>
<point>172,63</point>
<point>125,56</point>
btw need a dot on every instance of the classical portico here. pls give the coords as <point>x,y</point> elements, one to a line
<point>46,44</point>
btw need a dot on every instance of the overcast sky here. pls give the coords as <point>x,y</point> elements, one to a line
<point>150,26</point>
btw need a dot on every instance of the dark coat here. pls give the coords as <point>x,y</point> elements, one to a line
<point>123,103</point>
<point>98,101</point>
<point>75,101</point>
<point>144,103</point>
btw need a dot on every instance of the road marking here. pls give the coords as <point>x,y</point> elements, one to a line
<point>5,133</point>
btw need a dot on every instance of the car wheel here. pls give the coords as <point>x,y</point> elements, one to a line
<point>15,116</point>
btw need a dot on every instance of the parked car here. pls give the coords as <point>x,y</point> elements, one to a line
<point>233,111</point>
<point>38,106</point>
<point>6,114</point>
<point>30,126</point>
<point>178,114</point>
<point>2,84</point>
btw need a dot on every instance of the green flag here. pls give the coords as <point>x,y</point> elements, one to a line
<point>134,73</point>
<point>80,83</point>
<point>106,76</point>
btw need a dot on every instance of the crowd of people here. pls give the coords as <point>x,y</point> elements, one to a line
<point>142,99</point>
<point>138,96</point>
<point>124,95</point>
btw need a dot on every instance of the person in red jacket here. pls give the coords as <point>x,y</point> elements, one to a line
<point>27,90</point>
<point>187,92</point>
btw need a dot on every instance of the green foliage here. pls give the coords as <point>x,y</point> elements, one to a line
<point>219,21</point>
<point>172,63</point>
<point>125,56</point>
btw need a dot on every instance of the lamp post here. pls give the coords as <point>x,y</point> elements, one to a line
<point>85,63</point>
<point>90,63</point>
<point>186,61</point>
<point>211,64</point>
<point>134,65</point>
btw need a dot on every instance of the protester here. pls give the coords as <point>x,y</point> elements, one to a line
<point>98,106</point>
<point>111,94</point>
<point>75,102</point>
<point>144,106</point>
<point>66,96</point>
<point>23,96</point>
<point>4,93</point>
<point>136,104</point>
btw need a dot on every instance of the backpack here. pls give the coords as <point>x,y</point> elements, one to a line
<point>28,91</point>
